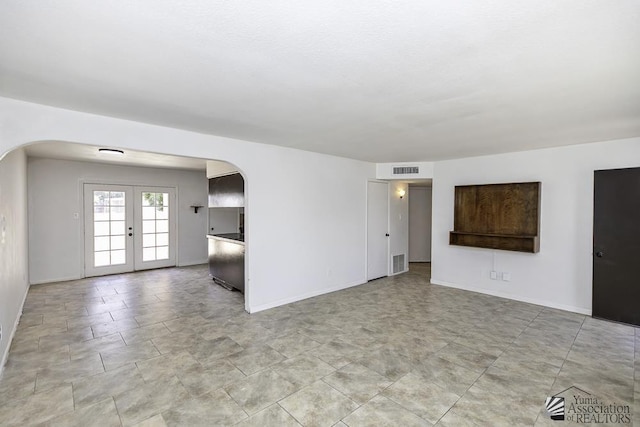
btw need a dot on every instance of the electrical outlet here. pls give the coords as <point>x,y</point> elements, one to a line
<point>506,277</point>
<point>493,275</point>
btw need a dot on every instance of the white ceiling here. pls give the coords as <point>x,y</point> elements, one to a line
<point>88,153</point>
<point>375,80</point>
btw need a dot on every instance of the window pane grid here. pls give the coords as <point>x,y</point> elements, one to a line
<point>155,226</point>
<point>109,228</point>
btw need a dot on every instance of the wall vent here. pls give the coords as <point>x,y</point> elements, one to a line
<point>398,263</point>
<point>403,170</point>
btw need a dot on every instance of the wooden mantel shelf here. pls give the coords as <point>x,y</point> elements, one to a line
<point>497,216</point>
<point>506,242</point>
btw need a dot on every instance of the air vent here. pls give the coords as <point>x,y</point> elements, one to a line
<point>404,170</point>
<point>398,263</point>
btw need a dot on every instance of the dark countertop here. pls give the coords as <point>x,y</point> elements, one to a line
<point>228,236</point>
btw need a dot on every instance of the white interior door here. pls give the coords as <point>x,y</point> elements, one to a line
<point>377,229</point>
<point>108,211</point>
<point>155,221</point>
<point>128,228</point>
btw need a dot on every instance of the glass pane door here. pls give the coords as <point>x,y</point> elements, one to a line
<point>108,229</point>
<point>155,216</point>
<point>128,228</point>
<point>155,226</point>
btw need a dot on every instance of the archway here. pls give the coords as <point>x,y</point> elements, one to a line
<point>58,171</point>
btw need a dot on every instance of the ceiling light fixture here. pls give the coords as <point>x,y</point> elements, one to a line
<point>111,151</point>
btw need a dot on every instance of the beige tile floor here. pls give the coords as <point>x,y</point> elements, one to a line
<point>168,347</point>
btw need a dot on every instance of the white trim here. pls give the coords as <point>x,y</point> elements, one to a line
<point>190,263</point>
<point>5,356</point>
<point>536,301</point>
<point>59,279</point>
<point>302,297</point>
<point>399,272</point>
<point>138,262</point>
<point>366,229</point>
<point>90,270</point>
<point>366,222</point>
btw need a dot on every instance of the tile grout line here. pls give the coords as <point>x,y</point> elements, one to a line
<point>405,323</point>
<point>487,368</point>
<point>584,318</point>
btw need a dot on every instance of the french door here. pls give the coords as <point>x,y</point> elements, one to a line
<point>128,228</point>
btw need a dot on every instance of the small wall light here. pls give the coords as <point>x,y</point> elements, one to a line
<point>401,193</point>
<point>111,151</point>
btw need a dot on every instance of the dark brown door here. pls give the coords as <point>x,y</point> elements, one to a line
<point>616,245</point>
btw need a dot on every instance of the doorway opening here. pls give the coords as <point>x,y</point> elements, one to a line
<point>398,227</point>
<point>84,203</point>
<point>128,228</point>
<point>420,216</point>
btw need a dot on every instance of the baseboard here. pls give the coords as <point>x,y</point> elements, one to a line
<point>56,280</point>
<point>190,263</point>
<point>399,272</point>
<point>301,297</point>
<point>506,295</point>
<point>3,361</point>
<point>66,279</point>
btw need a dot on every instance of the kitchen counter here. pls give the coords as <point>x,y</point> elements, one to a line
<point>236,237</point>
<point>226,259</point>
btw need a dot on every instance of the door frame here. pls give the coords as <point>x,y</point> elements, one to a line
<point>82,225</point>
<point>428,233</point>
<point>138,263</point>
<point>88,248</point>
<point>366,244</point>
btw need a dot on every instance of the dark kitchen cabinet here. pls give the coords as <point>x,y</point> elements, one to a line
<point>226,191</point>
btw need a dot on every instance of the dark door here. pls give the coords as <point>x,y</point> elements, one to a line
<point>616,245</point>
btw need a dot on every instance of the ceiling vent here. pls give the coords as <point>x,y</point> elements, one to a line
<point>404,170</point>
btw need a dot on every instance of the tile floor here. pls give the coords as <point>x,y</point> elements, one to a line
<point>168,347</point>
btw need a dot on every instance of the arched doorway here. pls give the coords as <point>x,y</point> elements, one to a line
<point>61,234</point>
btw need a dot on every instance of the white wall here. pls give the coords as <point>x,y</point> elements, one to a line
<point>286,191</point>
<point>13,245</point>
<point>398,223</point>
<point>56,238</point>
<point>560,274</point>
<point>419,224</point>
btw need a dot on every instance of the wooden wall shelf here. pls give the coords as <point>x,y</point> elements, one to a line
<point>497,216</point>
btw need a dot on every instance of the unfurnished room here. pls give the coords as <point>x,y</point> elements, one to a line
<point>313,213</point>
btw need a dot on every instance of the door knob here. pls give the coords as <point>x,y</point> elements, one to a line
<point>130,234</point>
<point>387,234</point>
<point>600,254</point>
